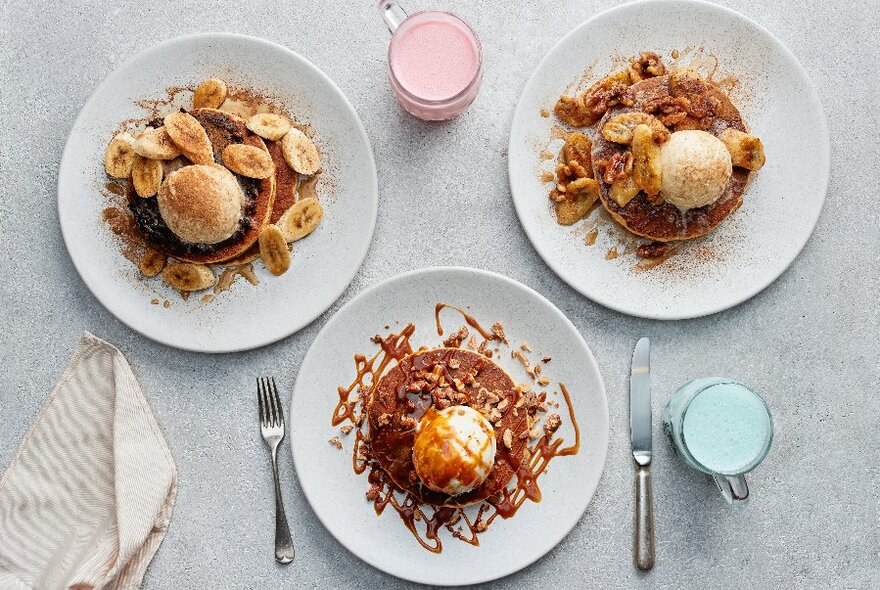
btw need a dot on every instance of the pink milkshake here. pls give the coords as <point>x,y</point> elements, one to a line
<point>434,62</point>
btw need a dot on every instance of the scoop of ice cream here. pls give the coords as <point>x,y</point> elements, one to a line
<point>454,450</point>
<point>696,167</point>
<point>201,204</point>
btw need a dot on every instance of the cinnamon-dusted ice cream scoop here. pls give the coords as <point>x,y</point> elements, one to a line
<point>201,204</point>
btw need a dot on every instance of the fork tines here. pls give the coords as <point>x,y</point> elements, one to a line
<point>271,413</point>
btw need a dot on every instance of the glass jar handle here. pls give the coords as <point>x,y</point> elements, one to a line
<point>734,489</point>
<point>392,14</point>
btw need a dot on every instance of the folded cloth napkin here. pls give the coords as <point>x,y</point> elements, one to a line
<point>87,498</point>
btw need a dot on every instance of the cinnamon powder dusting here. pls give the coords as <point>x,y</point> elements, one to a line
<point>426,522</point>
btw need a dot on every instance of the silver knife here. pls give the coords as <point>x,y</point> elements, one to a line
<point>640,436</point>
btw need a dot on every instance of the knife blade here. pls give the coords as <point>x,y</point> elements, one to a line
<point>640,438</point>
<point>640,402</point>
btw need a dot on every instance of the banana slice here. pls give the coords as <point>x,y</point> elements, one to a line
<point>184,276</point>
<point>248,160</point>
<point>190,137</point>
<point>153,262</point>
<point>301,219</point>
<point>274,251</point>
<point>119,155</point>
<point>146,176</point>
<point>210,94</point>
<point>300,152</point>
<point>269,126</point>
<point>155,144</point>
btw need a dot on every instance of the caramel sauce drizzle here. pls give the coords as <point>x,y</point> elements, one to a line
<point>425,521</point>
<point>486,334</point>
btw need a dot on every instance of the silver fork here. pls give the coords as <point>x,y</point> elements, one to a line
<point>272,428</point>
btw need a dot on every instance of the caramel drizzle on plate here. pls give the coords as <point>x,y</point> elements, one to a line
<point>425,521</point>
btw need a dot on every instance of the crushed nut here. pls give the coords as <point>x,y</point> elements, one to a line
<point>543,381</point>
<point>507,438</point>
<point>498,332</point>
<point>336,442</point>
<point>551,424</point>
<point>455,340</point>
<point>617,167</point>
<point>346,429</point>
<point>384,419</point>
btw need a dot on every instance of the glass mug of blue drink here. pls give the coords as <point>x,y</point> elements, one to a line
<point>722,428</point>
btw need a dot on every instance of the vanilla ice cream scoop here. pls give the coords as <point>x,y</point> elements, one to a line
<point>696,168</point>
<point>454,450</point>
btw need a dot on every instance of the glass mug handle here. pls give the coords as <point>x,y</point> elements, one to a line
<point>392,14</point>
<point>734,489</point>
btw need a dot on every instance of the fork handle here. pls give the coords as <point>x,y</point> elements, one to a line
<point>283,543</point>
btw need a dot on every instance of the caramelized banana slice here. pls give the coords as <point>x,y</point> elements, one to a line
<point>146,176</point>
<point>619,128</point>
<point>646,160</point>
<point>746,151</point>
<point>274,250</point>
<point>301,219</point>
<point>576,154</point>
<point>119,156</point>
<point>190,137</point>
<point>210,94</point>
<point>580,195</point>
<point>155,144</point>
<point>624,190</point>
<point>184,276</point>
<point>300,152</point>
<point>269,126</point>
<point>248,160</point>
<point>153,262</point>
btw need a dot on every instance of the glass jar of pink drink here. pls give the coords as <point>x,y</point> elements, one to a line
<point>435,62</point>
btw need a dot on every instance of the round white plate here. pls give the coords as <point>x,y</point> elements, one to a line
<point>781,204</point>
<point>323,264</point>
<point>336,493</point>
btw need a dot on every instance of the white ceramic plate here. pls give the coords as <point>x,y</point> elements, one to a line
<point>336,493</point>
<point>781,205</point>
<point>323,264</point>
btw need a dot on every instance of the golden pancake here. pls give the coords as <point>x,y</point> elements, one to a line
<point>438,378</point>
<point>222,129</point>
<point>681,102</point>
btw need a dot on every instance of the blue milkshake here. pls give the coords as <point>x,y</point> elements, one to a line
<point>722,428</point>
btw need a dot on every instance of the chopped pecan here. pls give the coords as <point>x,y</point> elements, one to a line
<point>551,424</point>
<point>572,111</point>
<point>604,94</point>
<point>576,156</point>
<point>646,65</point>
<point>617,167</point>
<point>455,340</point>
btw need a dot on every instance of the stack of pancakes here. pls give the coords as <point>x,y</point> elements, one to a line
<point>196,221</point>
<point>403,395</point>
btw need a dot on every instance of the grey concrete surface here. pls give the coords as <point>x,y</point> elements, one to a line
<point>809,342</point>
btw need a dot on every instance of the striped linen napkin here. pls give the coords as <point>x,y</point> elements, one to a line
<point>87,499</point>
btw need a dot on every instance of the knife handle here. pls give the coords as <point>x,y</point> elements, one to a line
<point>643,542</point>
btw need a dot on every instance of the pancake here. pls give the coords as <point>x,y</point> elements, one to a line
<point>395,406</point>
<point>703,106</point>
<point>286,179</point>
<point>222,129</point>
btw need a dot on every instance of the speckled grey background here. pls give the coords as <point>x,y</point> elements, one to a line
<point>809,343</point>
